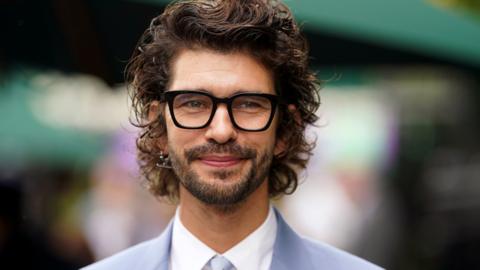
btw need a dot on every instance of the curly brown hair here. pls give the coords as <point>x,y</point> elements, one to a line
<point>264,29</point>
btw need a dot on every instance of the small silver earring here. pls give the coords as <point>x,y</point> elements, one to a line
<point>163,161</point>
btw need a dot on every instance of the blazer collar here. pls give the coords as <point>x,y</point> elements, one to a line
<point>289,251</point>
<point>157,255</point>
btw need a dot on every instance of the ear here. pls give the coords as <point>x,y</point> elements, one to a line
<point>282,142</point>
<point>153,110</point>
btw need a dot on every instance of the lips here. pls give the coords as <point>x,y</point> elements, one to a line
<point>220,161</point>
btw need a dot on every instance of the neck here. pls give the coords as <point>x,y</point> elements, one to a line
<point>219,228</point>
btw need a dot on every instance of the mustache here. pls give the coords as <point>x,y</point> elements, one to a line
<point>214,148</point>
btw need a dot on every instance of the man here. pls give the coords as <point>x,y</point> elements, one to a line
<point>223,94</point>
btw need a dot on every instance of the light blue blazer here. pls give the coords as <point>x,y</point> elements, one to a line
<point>290,251</point>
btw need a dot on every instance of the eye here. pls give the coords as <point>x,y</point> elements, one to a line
<point>193,104</point>
<point>251,103</point>
<point>248,105</point>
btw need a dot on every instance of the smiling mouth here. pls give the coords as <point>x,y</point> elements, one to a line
<point>221,161</point>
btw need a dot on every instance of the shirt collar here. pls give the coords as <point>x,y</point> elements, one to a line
<point>253,252</point>
<point>184,245</point>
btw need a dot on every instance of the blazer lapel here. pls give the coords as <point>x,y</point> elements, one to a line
<point>158,253</point>
<point>289,251</point>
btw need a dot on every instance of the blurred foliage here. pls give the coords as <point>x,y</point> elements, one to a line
<point>472,6</point>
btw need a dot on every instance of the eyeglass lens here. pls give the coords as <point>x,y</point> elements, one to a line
<point>249,112</point>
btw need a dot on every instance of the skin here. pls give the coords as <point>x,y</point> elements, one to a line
<point>221,74</point>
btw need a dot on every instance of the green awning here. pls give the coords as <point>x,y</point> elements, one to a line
<point>24,139</point>
<point>417,25</point>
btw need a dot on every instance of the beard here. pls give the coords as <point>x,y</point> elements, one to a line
<point>223,196</point>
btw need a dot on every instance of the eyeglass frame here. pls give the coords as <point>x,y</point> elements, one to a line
<point>169,97</point>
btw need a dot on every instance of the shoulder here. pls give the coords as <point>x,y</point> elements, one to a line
<point>148,255</point>
<point>292,251</point>
<point>324,254</point>
<point>127,259</point>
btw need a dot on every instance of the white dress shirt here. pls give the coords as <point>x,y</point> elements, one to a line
<point>252,253</point>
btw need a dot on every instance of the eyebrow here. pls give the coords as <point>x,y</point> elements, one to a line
<point>236,92</point>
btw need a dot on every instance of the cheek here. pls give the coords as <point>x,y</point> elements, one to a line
<point>180,139</point>
<point>264,140</point>
<point>175,135</point>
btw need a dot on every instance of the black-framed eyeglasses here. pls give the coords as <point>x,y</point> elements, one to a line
<point>195,109</point>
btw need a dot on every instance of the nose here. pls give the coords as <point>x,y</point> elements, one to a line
<point>221,129</point>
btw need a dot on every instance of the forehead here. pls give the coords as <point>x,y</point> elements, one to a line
<point>221,74</point>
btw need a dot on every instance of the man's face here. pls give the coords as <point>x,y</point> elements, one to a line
<point>220,164</point>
